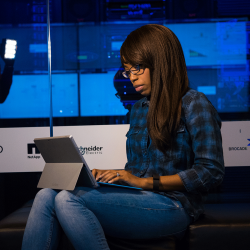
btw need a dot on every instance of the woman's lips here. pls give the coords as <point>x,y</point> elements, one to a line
<point>139,88</point>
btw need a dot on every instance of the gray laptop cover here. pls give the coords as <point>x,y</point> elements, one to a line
<point>65,164</point>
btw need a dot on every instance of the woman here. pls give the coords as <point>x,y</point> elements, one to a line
<point>174,133</point>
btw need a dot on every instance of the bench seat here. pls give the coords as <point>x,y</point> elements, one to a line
<point>223,226</point>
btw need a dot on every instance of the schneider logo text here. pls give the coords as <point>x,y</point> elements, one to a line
<point>91,150</point>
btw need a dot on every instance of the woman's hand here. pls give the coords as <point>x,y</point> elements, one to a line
<point>167,183</point>
<point>118,176</point>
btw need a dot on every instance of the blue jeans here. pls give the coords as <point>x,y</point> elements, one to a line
<point>85,214</point>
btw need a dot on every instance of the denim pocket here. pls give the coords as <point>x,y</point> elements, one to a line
<point>175,152</point>
<point>133,144</point>
<point>133,131</point>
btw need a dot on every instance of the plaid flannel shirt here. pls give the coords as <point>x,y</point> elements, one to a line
<point>196,155</point>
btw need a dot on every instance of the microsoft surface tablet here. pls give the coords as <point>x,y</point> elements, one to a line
<point>65,165</point>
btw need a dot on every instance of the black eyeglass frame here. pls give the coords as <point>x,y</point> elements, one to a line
<point>126,73</point>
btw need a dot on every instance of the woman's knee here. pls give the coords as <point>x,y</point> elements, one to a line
<point>63,198</point>
<point>66,200</point>
<point>45,198</point>
<point>46,193</point>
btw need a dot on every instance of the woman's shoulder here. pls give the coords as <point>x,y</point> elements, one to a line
<point>196,103</point>
<point>194,96</point>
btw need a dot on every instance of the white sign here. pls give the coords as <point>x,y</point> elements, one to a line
<point>104,146</point>
<point>236,143</point>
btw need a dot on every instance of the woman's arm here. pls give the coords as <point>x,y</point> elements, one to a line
<point>203,125</point>
<point>207,171</point>
<point>167,183</point>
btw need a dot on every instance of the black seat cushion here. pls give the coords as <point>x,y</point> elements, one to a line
<point>223,226</point>
<point>168,243</point>
<point>12,229</point>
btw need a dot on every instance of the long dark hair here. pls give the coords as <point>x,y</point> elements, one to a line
<point>156,47</point>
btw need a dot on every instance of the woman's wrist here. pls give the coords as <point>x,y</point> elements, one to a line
<point>147,183</point>
<point>166,183</point>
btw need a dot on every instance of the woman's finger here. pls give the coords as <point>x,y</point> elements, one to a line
<point>110,176</point>
<point>107,177</point>
<point>116,179</point>
<point>97,176</point>
<point>99,173</point>
<point>105,173</point>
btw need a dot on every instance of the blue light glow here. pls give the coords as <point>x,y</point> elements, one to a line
<point>29,97</point>
<point>98,95</point>
<point>207,90</point>
<point>210,44</point>
<point>38,48</point>
<point>115,46</point>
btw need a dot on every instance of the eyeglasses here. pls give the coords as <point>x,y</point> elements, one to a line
<point>135,70</point>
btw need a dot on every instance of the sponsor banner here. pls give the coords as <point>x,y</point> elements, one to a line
<point>236,143</point>
<point>103,147</point>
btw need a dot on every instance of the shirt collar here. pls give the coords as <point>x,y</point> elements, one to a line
<point>145,102</point>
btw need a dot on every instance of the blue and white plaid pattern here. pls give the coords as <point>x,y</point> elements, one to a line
<point>196,155</point>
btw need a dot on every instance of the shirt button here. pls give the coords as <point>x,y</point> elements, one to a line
<point>141,172</point>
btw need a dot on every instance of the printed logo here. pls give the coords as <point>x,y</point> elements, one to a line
<point>90,150</point>
<point>1,149</point>
<point>33,151</point>
<point>239,148</point>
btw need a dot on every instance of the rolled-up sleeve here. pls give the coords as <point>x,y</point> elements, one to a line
<point>203,125</point>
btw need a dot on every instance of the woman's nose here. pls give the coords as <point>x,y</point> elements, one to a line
<point>132,77</point>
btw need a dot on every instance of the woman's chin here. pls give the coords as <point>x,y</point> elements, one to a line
<point>145,93</point>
